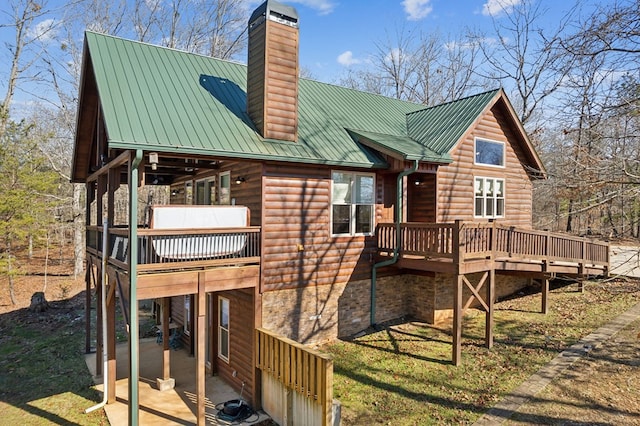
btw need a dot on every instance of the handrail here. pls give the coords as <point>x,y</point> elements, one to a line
<point>490,240</point>
<point>162,247</point>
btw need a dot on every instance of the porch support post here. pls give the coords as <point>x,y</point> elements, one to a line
<point>201,308</point>
<point>113,181</point>
<point>457,322</point>
<point>134,338</point>
<point>545,288</point>
<point>111,343</point>
<point>87,295</point>
<point>87,307</point>
<point>100,211</point>
<point>99,330</point>
<point>166,351</point>
<point>489,302</point>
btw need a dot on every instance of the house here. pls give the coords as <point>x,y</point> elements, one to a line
<point>356,208</point>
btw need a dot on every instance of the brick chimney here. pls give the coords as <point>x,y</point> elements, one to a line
<point>272,73</point>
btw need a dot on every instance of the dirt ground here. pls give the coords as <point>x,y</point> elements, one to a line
<point>57,284</point>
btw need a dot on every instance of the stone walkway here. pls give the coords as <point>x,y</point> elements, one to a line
<point>502,411</point>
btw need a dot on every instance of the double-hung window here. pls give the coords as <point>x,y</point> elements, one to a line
<point>352,203</point>
<point>489,197</point>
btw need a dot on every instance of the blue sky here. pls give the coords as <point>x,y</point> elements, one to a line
<point>337,34</point>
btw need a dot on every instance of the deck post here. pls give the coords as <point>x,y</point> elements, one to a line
<point>166,337</point>
<point>201,308</point>
<point>87,297</point>
<point>457,295</point>
<point>457,322</point>
<point>489,315</point>
<point>87,306</point>
<point>111,343</point>
<point>545,288</point>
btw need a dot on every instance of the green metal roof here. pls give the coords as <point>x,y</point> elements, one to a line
<point>161,99</point>
<point>165,100</point>
<point>440,127</point>
<point>402,147</point>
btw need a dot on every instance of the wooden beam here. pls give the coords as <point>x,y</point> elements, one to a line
<point>457,323</point>
<point>490,295</point>
<point>111,344</point>
<point>201,309</point>
<point>545,289</point>
<point>87,306</point>
<point>166,351</point>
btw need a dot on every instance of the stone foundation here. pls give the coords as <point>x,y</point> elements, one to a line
<point>319,314</point>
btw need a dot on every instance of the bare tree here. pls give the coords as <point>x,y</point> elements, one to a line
<point>28,44</point>
<point>420,68</point>
<point>522,54</point>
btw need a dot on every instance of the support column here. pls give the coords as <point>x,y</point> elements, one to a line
<point>545,294</point>
<point>87,307</point>
<point>99,330</point>
<point>457,322</point>
<point>489,315</point>
<point>134,337</point>
<point>201,309</point>
<point>545,289</point>
<point>111,343</point>
<point>166,382</point>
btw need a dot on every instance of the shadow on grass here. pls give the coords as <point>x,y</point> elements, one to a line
<point>41,357</point>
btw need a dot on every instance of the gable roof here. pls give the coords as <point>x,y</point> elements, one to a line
<point>165,100</point>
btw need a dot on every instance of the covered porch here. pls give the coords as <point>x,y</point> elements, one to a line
<point>176,406</point>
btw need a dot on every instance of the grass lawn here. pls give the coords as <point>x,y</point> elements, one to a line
<point>402,375</point>
<point>43,376</point>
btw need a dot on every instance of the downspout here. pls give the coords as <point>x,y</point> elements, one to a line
<point>134,341</point>
<point>396,250</point>
<point>105,355</point>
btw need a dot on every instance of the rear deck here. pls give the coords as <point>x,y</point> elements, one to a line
<point>462,248</point>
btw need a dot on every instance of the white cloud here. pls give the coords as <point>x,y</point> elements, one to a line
<point>347,59</point>
<point>43,31</point>
<point>417,9</point>
<point>495,7</point>
<point>324,7</point>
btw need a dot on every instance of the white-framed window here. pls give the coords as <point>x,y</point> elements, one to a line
<point>489,197</point>
<point>489,153</point>
<point>223,328</point>
<point>352,203</point>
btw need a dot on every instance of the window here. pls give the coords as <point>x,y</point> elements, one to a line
<point>352,203</point>
<point>489,153</point>
<point>489,197</point>
<point>225,188</point>
<point>187,315</point>
<point>206,191</point>
<point>223,328</point>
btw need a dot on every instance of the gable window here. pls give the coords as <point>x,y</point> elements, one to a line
<point>352,203</point>
<point>489,153</point>
<point>489,197</point>
<point>223,328</point>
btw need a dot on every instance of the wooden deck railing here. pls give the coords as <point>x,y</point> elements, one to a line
<point>307,372</point>
<point>178,246</point>
<point>465,241</point>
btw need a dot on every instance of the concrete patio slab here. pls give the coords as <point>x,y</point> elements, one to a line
<point>175,406</point>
